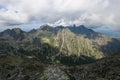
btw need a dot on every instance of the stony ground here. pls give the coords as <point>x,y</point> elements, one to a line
<point>16,68</point>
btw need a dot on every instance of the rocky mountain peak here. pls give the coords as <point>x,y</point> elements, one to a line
<point>17,30</point>
<point>46,27</point>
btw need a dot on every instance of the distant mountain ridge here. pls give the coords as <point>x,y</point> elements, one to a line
<point>15,34</point>
<point>59,44</point>
<point>118,39</point>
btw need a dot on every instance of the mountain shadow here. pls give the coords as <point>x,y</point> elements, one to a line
<point>110,47</point>
<point>45,53</point>
<point>103,69</point>
<point>50,55</point>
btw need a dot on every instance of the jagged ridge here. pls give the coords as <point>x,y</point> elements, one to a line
<point>72,42</point>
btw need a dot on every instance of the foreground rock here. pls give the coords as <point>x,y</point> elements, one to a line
<point>104,69</point>
<point>14,67</point>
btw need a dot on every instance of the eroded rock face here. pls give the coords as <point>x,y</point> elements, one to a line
<point>67,41</point>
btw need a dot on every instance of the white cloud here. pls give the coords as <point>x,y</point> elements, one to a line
<point>88,12</point>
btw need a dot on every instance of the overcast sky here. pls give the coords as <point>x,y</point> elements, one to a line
<point>32,13</point>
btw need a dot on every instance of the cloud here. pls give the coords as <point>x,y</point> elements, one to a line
<point>66,12</point>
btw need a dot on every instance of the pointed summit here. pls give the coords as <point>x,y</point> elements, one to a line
<point>15,34</point>
<point>46,28</point>
<point>17,30</point>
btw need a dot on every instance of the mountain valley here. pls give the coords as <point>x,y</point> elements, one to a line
<point>65,52</point>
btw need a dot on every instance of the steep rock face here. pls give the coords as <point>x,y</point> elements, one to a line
<point>59,43</point>
<point>73,38</point>
<point>72,44</point>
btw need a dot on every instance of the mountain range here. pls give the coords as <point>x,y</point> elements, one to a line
<point>16,67</point>
<point>58,53</point>
<point>66,45</point>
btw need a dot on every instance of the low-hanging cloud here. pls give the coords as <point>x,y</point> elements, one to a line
<point>64,12</point>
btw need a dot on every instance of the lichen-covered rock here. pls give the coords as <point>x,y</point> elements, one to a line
<point>13,67</point>
<point>54,73</point>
